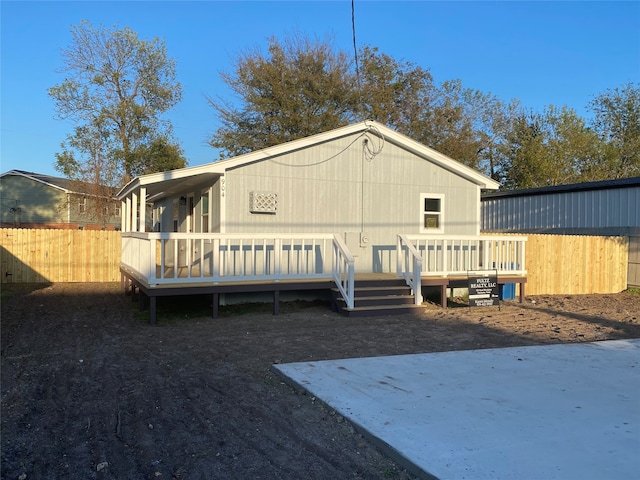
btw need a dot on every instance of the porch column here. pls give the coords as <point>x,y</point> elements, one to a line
<point>128,215</point>
<point>123,216</point>
<point>134,212</point>
<point>143,210</point>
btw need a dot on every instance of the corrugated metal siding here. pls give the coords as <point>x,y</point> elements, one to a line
<point>593,209</point>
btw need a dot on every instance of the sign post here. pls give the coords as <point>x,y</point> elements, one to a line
<point>483,288</point>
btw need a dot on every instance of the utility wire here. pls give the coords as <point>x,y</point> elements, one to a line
<point>360,108</point>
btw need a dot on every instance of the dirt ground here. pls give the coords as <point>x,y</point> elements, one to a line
<point>91,390</point>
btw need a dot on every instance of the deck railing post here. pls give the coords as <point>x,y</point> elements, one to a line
<point>445,256</point>
<point>215,258</point>
<point>277,247</point>
<point>151,256</point>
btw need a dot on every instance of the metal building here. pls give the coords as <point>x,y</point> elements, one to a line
<point>609,207</point>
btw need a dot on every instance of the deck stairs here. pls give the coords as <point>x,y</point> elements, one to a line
<point>377,295</point>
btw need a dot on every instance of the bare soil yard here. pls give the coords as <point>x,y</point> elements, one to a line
<point>91,390</point>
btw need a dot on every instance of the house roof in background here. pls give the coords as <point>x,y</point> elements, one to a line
<point>166,183</point>
<point>574,187</point>
<point>65,184</point>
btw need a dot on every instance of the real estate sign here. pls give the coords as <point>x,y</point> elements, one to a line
<point>483,289</point>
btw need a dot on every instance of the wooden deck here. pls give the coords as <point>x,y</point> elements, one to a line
<point>147,294</point>
<point>133,285</point>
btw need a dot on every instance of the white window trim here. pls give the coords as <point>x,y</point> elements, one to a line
<point>439,196</point>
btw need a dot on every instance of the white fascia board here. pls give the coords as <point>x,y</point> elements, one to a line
<point>291,146</point>
<point>154,178</point>
<point>368,126</point>
<point>439,159</point>
<point>221,166</point>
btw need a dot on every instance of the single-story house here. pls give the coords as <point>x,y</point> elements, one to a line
<point>610,207</point>
<point>361,200</point>
<point>33,200</point>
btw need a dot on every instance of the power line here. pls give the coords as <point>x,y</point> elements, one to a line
<point>360,107</point>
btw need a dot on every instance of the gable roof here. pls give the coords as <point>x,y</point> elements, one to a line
<point>55,182</point>
<point>165,183</point>
<point>65,184</point>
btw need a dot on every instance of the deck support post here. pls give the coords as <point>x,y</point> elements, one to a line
<point>443,295</point>
<point>522,292</point>
<point>141,301</point>
<point>216,304</point>
<point>152,310</point>
<point>276,302</point>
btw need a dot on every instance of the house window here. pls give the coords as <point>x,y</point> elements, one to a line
<point>204,210</point>
<point>116,210</point>
<point>431,213</point>
<point>82,206</point>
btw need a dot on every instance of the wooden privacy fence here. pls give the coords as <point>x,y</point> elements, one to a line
<point>634,261</point>
<point>576,264</point>
<point>42,256</point>
<point>556,264</point>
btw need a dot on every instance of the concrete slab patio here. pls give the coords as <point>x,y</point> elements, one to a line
<point>544,412</point>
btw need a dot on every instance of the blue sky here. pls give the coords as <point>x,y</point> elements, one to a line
<point>542,53</point>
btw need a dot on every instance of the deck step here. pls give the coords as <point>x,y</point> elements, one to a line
<point>374,311</point>
<point>378,300</point>
<point>375,297</point>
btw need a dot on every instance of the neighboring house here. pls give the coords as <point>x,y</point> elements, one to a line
<point>32,200</point>
<point>609,207</point>
<point>350,200</point>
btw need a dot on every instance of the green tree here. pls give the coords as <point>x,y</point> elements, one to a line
<point>298,88</point>
<point>116,88</point>
<point>493,120</point>
<point>550,148</point>
<point>394,93</point>
<point>448,123</point>
<point>617,121</point>
<point>301,88</point>
<point>159,156</point>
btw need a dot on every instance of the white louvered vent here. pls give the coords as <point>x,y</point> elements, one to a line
<point>263,202</point>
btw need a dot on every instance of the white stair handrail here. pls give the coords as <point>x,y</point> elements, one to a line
<point>344,270</point>
<point>409,266</point>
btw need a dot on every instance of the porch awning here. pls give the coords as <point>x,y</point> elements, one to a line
<point>171,183</point>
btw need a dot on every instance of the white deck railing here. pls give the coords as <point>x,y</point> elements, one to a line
<point>435,255</point>
<point>188,258</point>
<point>457,255</point>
